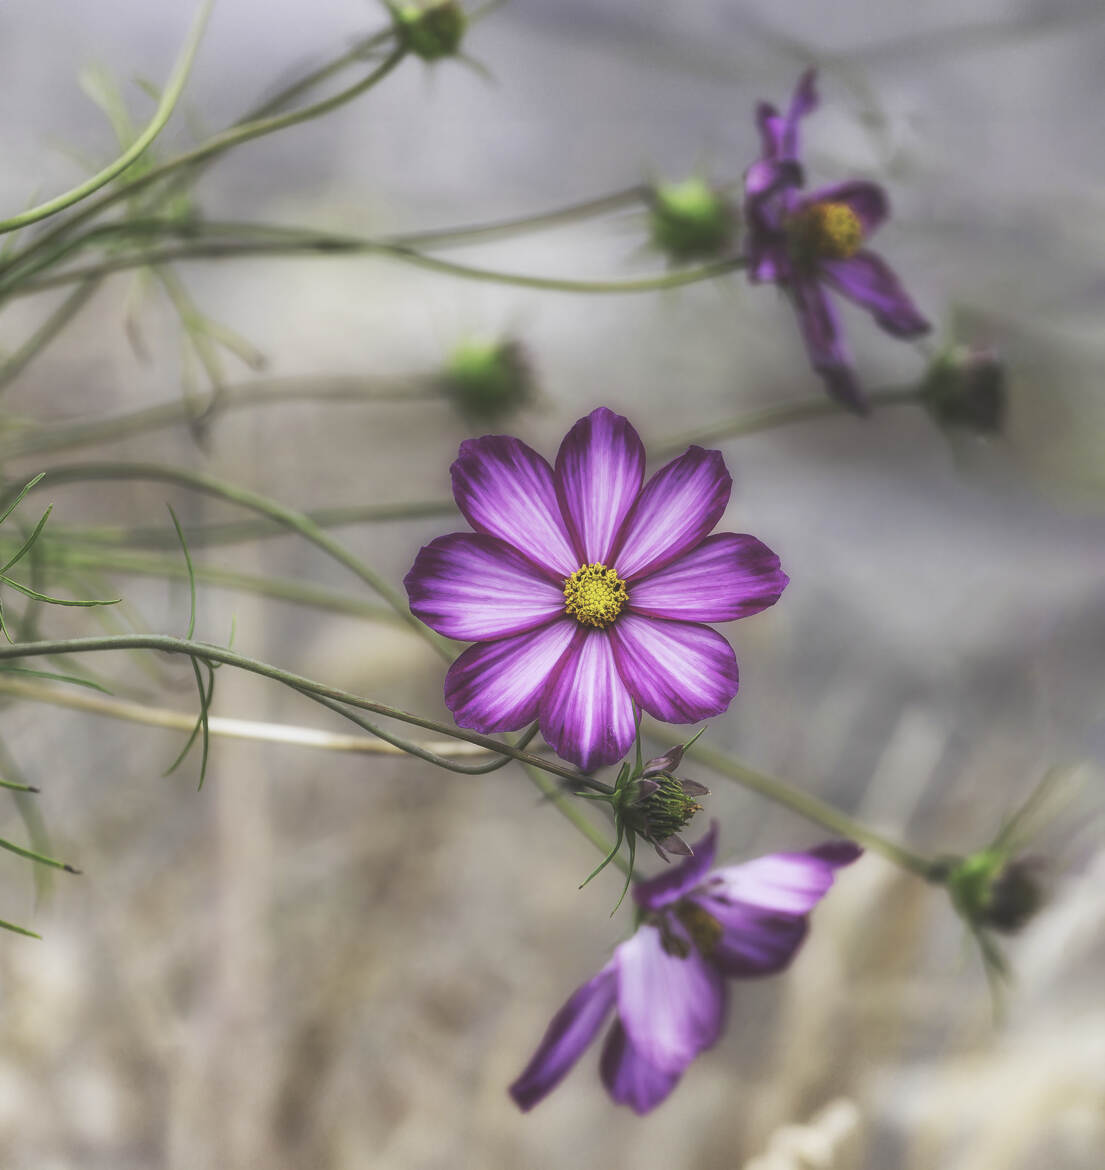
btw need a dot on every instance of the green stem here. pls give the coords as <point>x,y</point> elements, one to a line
<point>552,793</point>
<point>47,331</point>
<point>173,89</point>
<point>816,810</point>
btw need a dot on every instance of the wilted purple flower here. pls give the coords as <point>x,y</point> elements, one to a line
<point>803,242</point>
<point>667,983</point>
<point>585,592</point>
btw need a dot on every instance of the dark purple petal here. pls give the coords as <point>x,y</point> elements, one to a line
<point>506,489</point>
<point>673,883</point>
<point>599,471</point>
<point>866,279</point>
<point>586,713</point>
<point>497,686</point>
<point>752,942</point>
<point>671,1007</point>
<point>728,576</point>
<point>868,200</point>
<point>572,1029</point>
<point>473,587</point>
<point>825,344</point>
<point>678,506</point>
<point>628,1077</point>
<point>803,102</point>
<point>676,671</point>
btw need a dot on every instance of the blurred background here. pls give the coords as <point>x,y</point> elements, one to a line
<point>336,960</point>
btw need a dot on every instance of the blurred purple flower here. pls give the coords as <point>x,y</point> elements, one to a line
<point>803,242</point>
<point>667,983</point>
<point>585,592</point>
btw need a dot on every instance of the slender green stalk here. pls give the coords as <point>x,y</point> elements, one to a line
<point>47,331</point>
<point>552,793</point>
<point>814,809</point>
<point>173,89</point>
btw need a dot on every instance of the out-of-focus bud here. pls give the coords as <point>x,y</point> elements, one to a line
<point>691,220</point>
<point>995,892</point>
<point>488,380</point>
<point>964,389</point>
<point>431,30</point>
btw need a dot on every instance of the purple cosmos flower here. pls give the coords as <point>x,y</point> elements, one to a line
<point>585,592</point>
<point>803,242</point>
<point>667,983</point>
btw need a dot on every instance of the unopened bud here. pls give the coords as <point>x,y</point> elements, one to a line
<point>991,890</point>
<point>965,390</point>
<point>690,220</point>
<point>431,30</point>
<point>488,380</point>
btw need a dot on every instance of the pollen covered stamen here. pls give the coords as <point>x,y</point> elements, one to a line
<point>594,595</point>
<point>825,231</point>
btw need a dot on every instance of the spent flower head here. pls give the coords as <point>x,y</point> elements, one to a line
<point>587,590</point>
<point>667,984</point>
<point>809,242</point>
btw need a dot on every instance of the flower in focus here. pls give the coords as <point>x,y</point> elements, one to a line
<point>806,241</point>
<point>667,983</point>
<point>585,589</point>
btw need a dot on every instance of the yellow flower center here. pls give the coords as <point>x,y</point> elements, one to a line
<point>825,231</point>
<point>594,595</point>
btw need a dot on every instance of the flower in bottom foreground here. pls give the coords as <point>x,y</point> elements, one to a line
<point>666,983</point>
<point>585,589</point>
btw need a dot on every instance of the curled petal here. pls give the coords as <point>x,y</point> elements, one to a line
<point>678,506</point>
<point>781,883</point>
<point>473,587</point>
<point>673,883</point>
<point>599,471</point>
<point>586,714</point>
<point>728,576</point>
<point>628,1077</point>
<point>867,200</point>
<point>497,686</point>
<point>676,671</point>
<point>867,279</point>
<point>571,1031</point>
<point>671,1006</point>
<point>825,345</point>
<point>779,133</point>
<point>504,488</point>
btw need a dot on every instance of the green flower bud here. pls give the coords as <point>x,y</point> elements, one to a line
<point>991,890</point>
<point>965,390</point>
<point>488,380</point>
<point>659,808</point>
<point>431,30</point>
<point>689,220</point>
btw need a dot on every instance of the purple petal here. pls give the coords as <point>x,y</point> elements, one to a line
<point>572,1029</point>
<point>673,883</point>
<point>804,101</point>
<point>599,471</point>
<point>770,124</point>
<point>752,942</point>
<point>829,356</point>
<point>506,489</point>
<point>671,1007</point>
<point>728,576</point>
<point>676,671</point>
<point>497,686</point>
<point>866,279</point>
<point>868,200</point>
<point>586,713</point>
<point>628,1077</point>
<point>679,506</point>
<point>780,883</point>
<point>474,587</point>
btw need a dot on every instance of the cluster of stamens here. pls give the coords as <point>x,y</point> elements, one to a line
<point>594,595</point>
<point>702,931</point>
<point>825,231</point>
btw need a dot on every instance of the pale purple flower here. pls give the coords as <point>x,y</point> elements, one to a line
<point>806,241</point>
<point>667,983</point>
<point>585,588</point>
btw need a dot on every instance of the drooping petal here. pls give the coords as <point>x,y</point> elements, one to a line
<point>473,587</point>
<point>504,488</point>
<point>671,1007</point>
<point>867,200</point>
<point>571,1031</point>
<point>628,1077</point>
<point>599,471</point>
<point>586,714</point>
<point>497,686</point>
<point>782,883</point>
<point>728,576</point>
<point>828,353</point>
<point>676,671</point>
<point>752,941</point>
<point>867,279</point>
<point>673,883</point>
<point>676,509</point>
